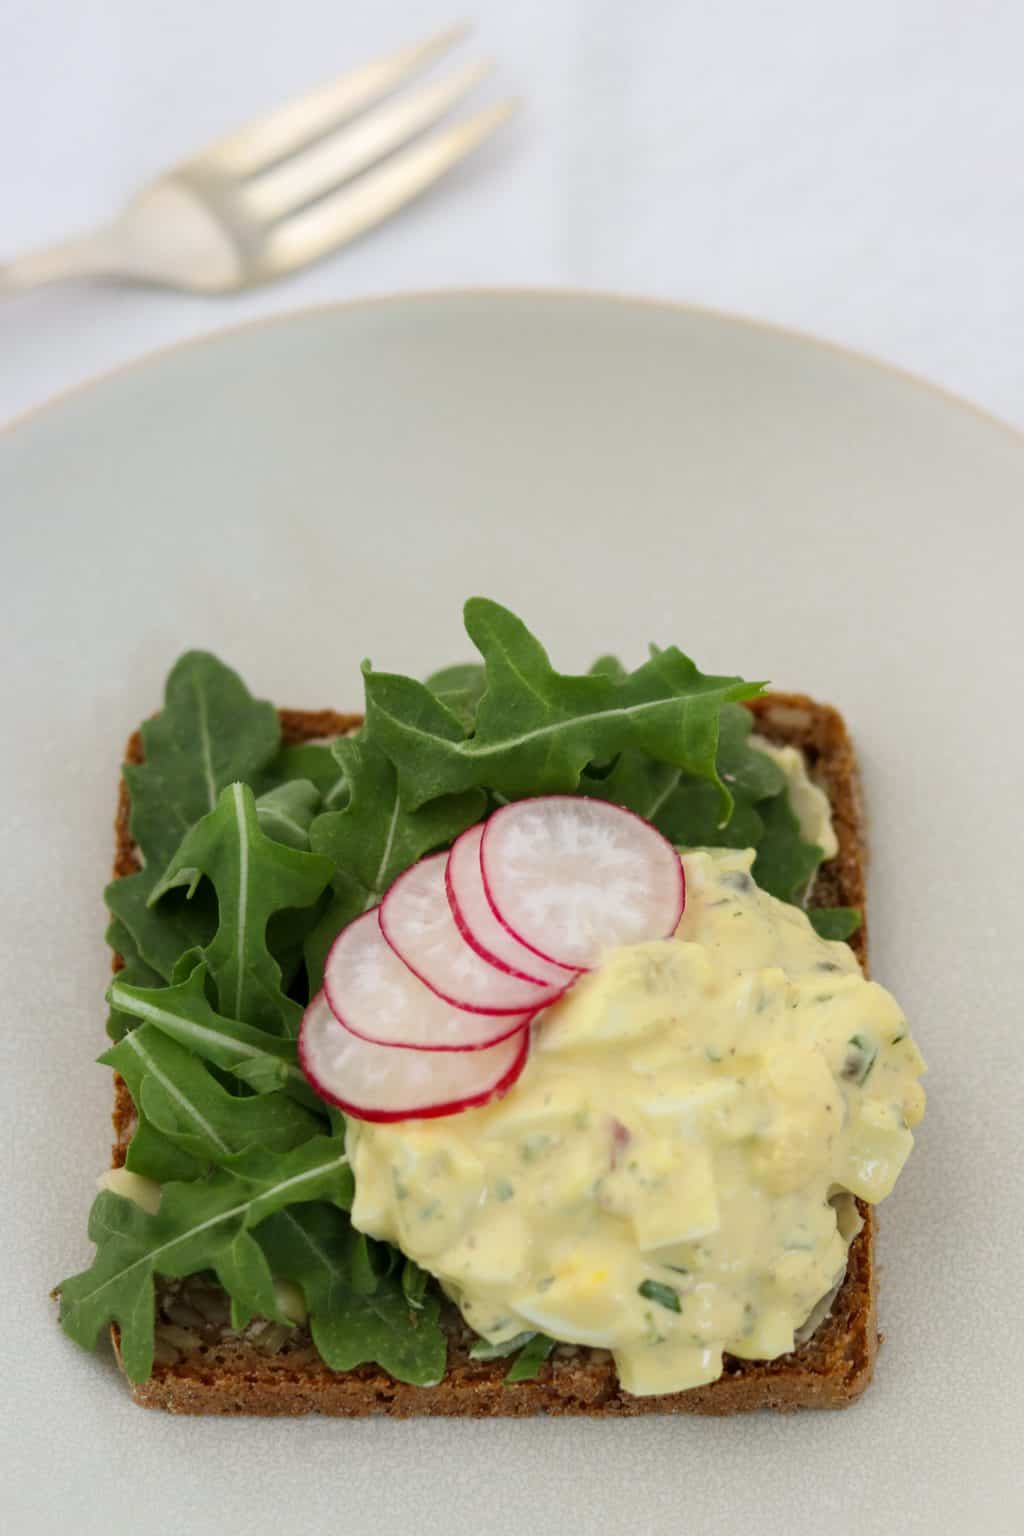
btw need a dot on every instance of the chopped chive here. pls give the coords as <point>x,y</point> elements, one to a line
<point>860,1058</point>
<point>664,1295</point>
<point>530,1359</point>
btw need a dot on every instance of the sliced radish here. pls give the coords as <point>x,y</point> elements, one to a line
<point>375,996</point>
<point>417,922</point>
<point>475,919</point>
<point>377,1082</point>
<point>571,877</point>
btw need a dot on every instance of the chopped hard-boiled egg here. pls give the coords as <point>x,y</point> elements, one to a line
<point>663,1180</point>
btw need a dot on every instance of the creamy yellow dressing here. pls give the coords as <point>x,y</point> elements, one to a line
<point>809,801</point>
<point>662,1179</point>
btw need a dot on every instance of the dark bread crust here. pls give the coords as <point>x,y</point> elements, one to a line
<point>228,1374</point>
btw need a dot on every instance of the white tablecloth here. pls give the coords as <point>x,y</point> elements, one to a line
<point>855,171</point>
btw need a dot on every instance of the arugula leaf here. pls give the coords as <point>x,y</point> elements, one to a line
<point>408,1343</point>
<point>194,1112</point>
<point>374,839</point>
<point>835,922</point>
<point>183,1013</point>
<point>461,677</point>
<point>160,936</point>
<point>745,769</point>
<point>689,818</point>
<point>686,808</point>
<point>378,835</point>
<point>415,1283</point>
<point>254,876</point>
<point>529,1362</point>
<point>176,1095</point>
<point>607,666</point>
<point>135,971</point>
<point>149,1152</point>
<point>537,729</point>
<point>122,943</point>
<point>210,732</point>
<point>369,1260</point>
<point>311,760</point>
<point>355,1317</point>
<point>639,783</point>
<point>460,689</point>
<point>785,863</point>
<point>347,899</point>
<point>285,813</point>
<point>202,1225</point>
<point>315,1246</point>
<point>288,932</point>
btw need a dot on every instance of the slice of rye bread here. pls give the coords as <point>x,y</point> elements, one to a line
<point>202,1367</point>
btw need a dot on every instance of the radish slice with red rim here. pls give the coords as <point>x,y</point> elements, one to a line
<point>378,1082</point>
<point>416,920</point>
<point>482,931</point>
<point>571,877</point>
<point>373,995</point>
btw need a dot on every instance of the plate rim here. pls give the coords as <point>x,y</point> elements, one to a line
<point>596,296</point>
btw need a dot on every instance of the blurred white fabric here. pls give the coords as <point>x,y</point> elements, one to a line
<point>852,171</point>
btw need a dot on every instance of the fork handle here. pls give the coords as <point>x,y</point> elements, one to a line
<point>166,236</point>
<point>84,256</point>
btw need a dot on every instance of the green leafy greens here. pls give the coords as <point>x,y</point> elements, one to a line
<point>530,1350</point>
<point>185,1015</point>
<point>204,1224</point>
<point>835,922</point>
<point>376,837</point>
<point>535,729</point>
<point>254,876</point>
<point>187,1105</point>
<point>356,1315</point>
<point>210,732</point>
<point>254,852</point>
<point>530,1358</point>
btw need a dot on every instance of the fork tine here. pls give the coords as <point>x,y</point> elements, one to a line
<point>355,208</point>
<point>268,139</point>
<point>356,146</point>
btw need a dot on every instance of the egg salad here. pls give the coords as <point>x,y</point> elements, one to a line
<point>670,1177</point>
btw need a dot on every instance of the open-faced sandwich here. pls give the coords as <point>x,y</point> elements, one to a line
<point>498,1052</point>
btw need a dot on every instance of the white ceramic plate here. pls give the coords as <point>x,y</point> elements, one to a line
<point>301,494</point>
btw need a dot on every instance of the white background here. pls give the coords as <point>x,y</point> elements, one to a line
<point>851,170</point>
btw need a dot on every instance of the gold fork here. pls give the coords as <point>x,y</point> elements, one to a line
<point>286,189</point>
